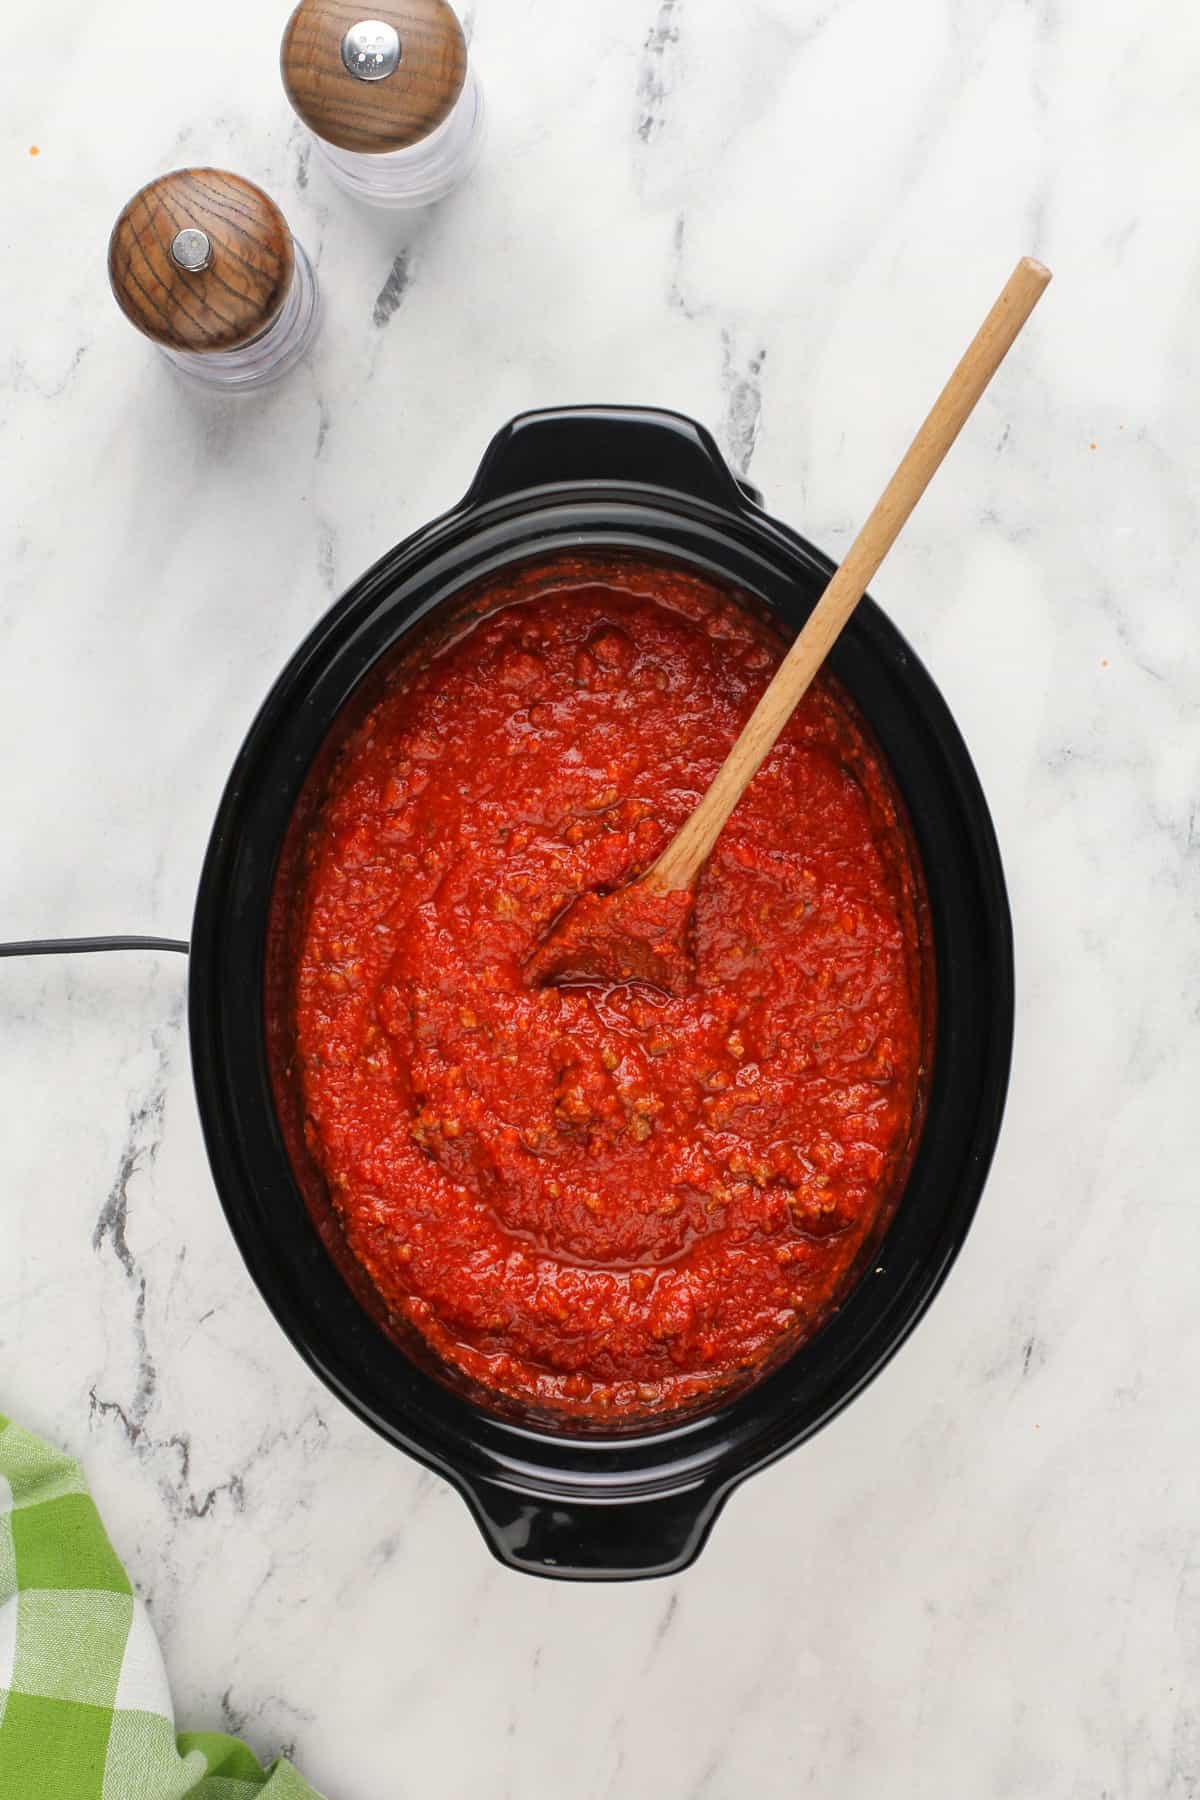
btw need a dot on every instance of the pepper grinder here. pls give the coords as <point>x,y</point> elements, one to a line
<point>203,263</point>
<point>396,111</point>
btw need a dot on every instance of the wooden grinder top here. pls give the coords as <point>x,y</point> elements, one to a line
<point>356,87</point>
<point>201,260</point>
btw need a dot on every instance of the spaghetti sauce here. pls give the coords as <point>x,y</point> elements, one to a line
<point>607,1202</point>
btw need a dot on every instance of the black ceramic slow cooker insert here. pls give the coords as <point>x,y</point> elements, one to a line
<point>556,1498</point>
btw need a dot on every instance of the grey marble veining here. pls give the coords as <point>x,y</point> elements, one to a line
<point>785,219</point>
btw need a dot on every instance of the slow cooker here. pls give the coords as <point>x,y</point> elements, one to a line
<point>556,1498</point>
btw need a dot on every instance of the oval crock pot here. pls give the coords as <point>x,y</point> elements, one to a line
<point>561,1500</point>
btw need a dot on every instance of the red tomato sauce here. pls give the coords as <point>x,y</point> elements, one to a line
<point>607,1202</point>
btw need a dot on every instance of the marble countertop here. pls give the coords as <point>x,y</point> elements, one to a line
<point>785,219</point>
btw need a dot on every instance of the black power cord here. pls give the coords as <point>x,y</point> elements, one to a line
<point>87,946</point>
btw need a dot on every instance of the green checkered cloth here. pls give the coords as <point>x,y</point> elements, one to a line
<point>85,1711</point>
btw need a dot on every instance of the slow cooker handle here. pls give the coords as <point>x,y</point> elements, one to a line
<point>614,1540</point>
<point>630,445</point>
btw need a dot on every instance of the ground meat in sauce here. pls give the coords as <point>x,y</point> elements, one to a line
<point>612,1203</point>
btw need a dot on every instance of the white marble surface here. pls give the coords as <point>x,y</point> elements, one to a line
<point>785,218</point>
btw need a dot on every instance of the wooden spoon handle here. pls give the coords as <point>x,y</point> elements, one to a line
<point>687,852</point>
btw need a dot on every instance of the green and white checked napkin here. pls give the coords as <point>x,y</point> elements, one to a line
<point>85,1711</point>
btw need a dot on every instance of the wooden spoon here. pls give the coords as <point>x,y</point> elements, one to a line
<point>640,932</point>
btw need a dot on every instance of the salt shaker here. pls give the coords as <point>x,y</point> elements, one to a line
<point>204,264</point>
<point>395,108</point>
